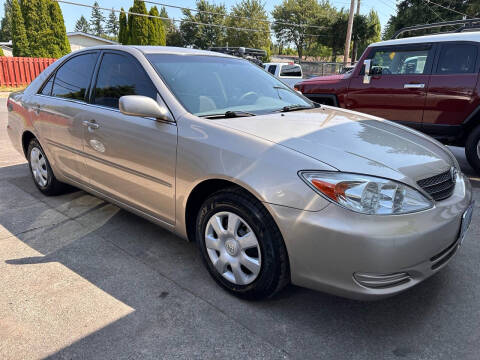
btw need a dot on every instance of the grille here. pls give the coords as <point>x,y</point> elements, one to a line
<point>440,186</point>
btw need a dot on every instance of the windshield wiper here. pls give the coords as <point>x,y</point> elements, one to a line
<point>295,107</point>
<point>228,114</point>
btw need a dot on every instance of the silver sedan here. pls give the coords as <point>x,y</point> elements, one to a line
<point>272,187</point>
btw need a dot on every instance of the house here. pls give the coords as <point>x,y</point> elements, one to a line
<point>79,40</point>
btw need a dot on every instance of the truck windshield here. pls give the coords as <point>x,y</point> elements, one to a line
<point>208,85</point>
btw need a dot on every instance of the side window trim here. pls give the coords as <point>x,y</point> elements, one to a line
<point>408,47</point>
<point>53,75</point>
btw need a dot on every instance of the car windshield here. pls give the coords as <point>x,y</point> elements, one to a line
<point>214,85</point>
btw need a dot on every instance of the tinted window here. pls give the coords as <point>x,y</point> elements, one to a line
<point>73,78</point>
<point>457,59</point>
<point>399,61</point>
<point>291,70</point>
<point>271,69</point>
<point>47,89</point>
<point>121,75</point>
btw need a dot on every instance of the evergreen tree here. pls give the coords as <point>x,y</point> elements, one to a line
<point>139,24</point>
<point>19,34</point>
<point>38,26</point>
<point>156,29</point>
<point>164,14</point>
<point>82,25</point>
<point>59,44</point>
<point>123,28</point>
<point>112,24</point>
<point>6,24</point>
<point>96,20</point>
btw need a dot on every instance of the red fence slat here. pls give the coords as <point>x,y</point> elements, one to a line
<point>18,71</point>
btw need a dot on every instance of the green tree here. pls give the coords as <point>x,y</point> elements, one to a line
<point>36,16</point>
<point>202,36</point>
<point>97,20</point>
<point>249,14</point>
<point>19,34</point>
<point>138,25</point>
<point>337,33</point>
<point>6,24</point>
<point>112,26</point>
<point>304,14</point>
<point>58,44</point>
<point>173,36</point>
<point>156,29</point>
<point>414,12</point>
<point>123,28</point>
<point>82,25</point>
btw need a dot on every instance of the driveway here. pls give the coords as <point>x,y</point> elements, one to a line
<point>82,279</point>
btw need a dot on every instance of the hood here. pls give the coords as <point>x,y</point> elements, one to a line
<point>351,142</point>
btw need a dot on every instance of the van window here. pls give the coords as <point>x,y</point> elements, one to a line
<point>399,61</point>
<point>73,77</point>
<point>457,59</point>
<point>291,71</point>
<point>272,68</point>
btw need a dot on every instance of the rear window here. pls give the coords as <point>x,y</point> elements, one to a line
<point>457,59</point>
<point>291,71</point>
<point>272,68</point>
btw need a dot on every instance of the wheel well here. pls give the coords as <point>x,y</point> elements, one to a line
<point>26,138</point>
<point>196,198</point>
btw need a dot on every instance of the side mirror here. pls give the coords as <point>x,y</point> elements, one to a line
<point>137,105</point>
<point>368,69</point>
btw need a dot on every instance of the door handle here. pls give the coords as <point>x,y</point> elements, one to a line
<point>414,86</point>
<point>92,125</point>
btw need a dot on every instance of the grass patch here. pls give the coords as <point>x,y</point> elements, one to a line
<point>11,88</point>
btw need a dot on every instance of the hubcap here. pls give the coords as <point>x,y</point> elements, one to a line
<point>233,248</point>
<point>38,164</point>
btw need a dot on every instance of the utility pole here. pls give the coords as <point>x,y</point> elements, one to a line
<point>349,33</point>
<point>355,42</point>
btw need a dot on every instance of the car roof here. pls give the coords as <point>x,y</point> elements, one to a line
<point>161,50</point>
<point>464,36</point>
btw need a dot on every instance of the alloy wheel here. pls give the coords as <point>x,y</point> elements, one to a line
<point>233,248</point>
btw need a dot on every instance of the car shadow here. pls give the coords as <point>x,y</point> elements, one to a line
<point>180,311</point>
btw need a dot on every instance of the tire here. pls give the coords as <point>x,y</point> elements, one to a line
<point>472,149</point>
<point>250,267</point>
<point>41,171</point>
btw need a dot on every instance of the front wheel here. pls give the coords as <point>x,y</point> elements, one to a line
<point>472,149</point>
<point>241,245</point>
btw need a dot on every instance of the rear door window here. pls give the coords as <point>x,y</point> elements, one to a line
<point>457,59</point>
<point>73,78</point>
<point>291,71</point>
<point>121,75</point>
<point>400,61</point>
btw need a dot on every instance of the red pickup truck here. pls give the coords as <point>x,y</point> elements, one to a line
<point>429,83</point>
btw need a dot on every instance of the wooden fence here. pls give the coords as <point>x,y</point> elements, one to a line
<point>20,71</point>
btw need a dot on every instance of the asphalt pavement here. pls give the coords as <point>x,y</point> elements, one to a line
<point>82,279</point>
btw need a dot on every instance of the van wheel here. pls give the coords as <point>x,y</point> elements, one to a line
<point>241,245</point>
<point>472,149</point>
<point>41,171</point>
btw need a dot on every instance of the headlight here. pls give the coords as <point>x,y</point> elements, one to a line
<point>366,194</point>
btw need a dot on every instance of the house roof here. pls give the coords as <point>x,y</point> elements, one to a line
<point>79,33</point>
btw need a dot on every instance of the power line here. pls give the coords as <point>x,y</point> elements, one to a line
<point>176,20</point>
<point>446,8</point>
<point>234,16</point>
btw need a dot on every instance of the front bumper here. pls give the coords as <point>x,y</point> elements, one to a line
<point>326,248</point>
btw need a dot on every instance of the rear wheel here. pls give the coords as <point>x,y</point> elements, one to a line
<point>241,245</point>
<point>472,149</point>
<point>41,171</point>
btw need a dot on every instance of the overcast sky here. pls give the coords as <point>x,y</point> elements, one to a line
<point>71,13</point>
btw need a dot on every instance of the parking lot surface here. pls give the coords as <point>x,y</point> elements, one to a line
<point>82,279</point>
